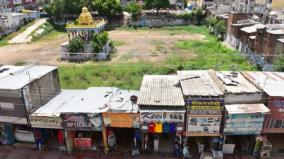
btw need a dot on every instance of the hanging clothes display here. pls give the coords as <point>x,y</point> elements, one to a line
<point>8,135</point>
<point>60,137</point>
<point>166,128</point>
<point>172,128</point>
<point>151,127</point>
<point>159,127</point>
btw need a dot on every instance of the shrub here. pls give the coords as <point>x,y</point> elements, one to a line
<point>99,40</point>
<point>75,45</point>
<point>41,31</point>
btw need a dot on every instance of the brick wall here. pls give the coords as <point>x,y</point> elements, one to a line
<point>233,18</point>
<point>269,45</point>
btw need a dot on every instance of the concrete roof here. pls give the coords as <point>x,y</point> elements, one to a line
<point>57,104</point>
<point>101,99</point>
<point>7,69</point>
<point>275,29</point>
<point>246,108</point>
<point>236,84</point>
<point>22,77</point>
<point>271,83</point>
<point>252,29</point>
<point>198,83</point>
<point>281,40</point>
<point>161,90</point>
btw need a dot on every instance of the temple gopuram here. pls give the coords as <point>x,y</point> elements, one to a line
<point>85,25</point>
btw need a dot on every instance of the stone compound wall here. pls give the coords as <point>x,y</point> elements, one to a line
<point>86,55</point>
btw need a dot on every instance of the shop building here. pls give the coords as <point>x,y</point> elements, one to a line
<point>122,122</point>
<point>205,105</point>
<point>239,94</point>
<point>162,112</point>
<point>82,119</point>
<point>22,90</point>
<point>47,123</point>
<point>272,83</point>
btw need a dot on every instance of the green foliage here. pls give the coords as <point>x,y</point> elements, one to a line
<point>279,64</point>
<point>156,4</point>
<point>218,27</point>
<point>46,28</point>
<point>186,16</point>
<point>135,9</point>
<point>198,16</point>
<point>99,40</point>
<point>108,8</point>
<point>75,45</point>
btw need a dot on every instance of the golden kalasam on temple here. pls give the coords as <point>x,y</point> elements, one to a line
<point>85,17</point>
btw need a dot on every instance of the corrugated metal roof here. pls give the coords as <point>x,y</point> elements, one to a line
<point>7,69</point>
<point>237,84</point>
<point>161,90</point>
<point>20,78</point>
<point>271,83</point>
<point>246,108</point>
<point>198,83</point>
<point>55,105</point>
<point>102,99</point>
<point>121,102</point>
<point>92,100</point>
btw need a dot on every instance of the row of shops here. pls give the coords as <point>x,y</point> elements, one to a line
<point>208,111</point>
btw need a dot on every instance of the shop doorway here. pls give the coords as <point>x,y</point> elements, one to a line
<point>51,138</point>
<point>124,138</point>
<point>244,144</point>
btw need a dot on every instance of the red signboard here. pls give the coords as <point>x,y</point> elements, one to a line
<point>83,143</point>
<point>274,122</point>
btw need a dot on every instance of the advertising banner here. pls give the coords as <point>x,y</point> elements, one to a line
<point>82,121</point>
<point>203,125</point>
<point>244,124</point>
<point>274,122</point>
<point>45,122</point>
<point>208,106</point>
<point>177,117</point>
<point>121,120</point>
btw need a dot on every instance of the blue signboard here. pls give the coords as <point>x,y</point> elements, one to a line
<point>243,124</point>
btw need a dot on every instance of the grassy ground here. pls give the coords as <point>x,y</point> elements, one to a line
<point>52,35</point>
<point>210,55</point>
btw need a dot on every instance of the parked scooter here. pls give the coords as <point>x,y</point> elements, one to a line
<point>186,153</point>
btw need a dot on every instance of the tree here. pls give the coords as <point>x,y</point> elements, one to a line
<point>107,8</point>
<point>75,45</point>
<point>61,8</point>
<point>135,9</point>
<point>156,4</point>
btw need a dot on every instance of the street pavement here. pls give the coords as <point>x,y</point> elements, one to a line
<point>25,36</point>
<point>16,152</point>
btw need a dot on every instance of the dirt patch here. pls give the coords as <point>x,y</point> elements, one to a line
<point>148,45</point>
<point>45,52</point>
<point>132,46</point>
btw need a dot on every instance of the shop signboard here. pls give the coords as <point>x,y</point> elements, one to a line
<point>274,122</point>
<point>244,124</point>
<point>177,117</point>
<point>82,121</point>
<point>208,106</point>
<point>45,122</point>
<point>203,125</point>
<point>121,120</point>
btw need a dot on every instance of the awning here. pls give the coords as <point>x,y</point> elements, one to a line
<point>246,108</point>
